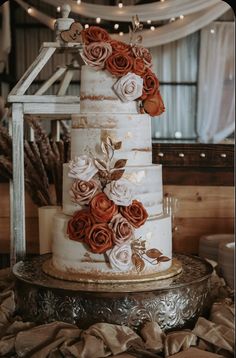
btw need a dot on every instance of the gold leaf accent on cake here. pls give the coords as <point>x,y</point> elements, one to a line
<point>138,262</point>
<point>120,163</point>
<point>153,253</point>
<point>117,174</point>
<point>100,164</point>
<point>117,145</point>
<point>163,259</point>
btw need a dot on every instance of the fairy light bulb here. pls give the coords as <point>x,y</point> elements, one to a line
<point>29,10</point>
<point>116,26</point>
<point>212,31</point>
<point>98,20</point>
<point>120,4</point>
<point>58,9</point>
<point>121,33</point>
<point>86,26</point>
<point>162,0</point>
<point>181,17</point>
<point>152,28</point>
<point>78,2</point>
<point>172,19</point>
<point>149,22</point>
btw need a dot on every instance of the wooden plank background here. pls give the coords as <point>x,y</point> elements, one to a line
<point>201,210</point>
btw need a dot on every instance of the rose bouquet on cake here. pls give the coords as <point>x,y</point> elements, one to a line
<point>109,212</point>
<point>130,63</point>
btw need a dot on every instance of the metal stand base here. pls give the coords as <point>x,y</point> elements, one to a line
<point>173,303</point>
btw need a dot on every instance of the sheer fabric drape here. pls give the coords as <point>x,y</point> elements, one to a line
<point>216,95</point>
<point>176,65</point>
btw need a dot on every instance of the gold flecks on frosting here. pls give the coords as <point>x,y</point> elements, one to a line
<point>128,135</point>
<point>135,177</point>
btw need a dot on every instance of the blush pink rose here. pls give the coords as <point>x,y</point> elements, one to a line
<point>96,53</point>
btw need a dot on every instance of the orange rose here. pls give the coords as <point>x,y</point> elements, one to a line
<point>94,34</point>
<point>100,238</point>
<point>135,213</point>
<point>102,208</point>
<point>119,46</point>
<point>77,226</point>
<point>150,84</point>
<point>119,64</point>
<point>154,105</point>
<point>139,67</point>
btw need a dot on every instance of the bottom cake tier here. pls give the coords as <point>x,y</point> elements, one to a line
<point>150,252</point>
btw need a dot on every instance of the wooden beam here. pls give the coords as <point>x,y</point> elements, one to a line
<point>65,82</point>
<point>55,76</point>
<point>18,243</point>
<point>43,99</point>
<point>51,109</point>
<point>33,71</point>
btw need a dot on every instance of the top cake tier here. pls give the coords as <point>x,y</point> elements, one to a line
<point>97,95</point>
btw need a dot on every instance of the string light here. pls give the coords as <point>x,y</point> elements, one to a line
<point>212,31</point>
<point>120,4</point>
<point>149,22</point>
<point>98,20</point>
<point>29,10</point>
<point>78,2</point>
<point>58,9</point>
<point>181,17</point>
<point>116,26</point>
<point>121,33</point>
<point>86,26</point>
<point>152,28</point>
<point>162,0</point>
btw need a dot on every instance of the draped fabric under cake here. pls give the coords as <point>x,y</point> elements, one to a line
<point>212,337</point>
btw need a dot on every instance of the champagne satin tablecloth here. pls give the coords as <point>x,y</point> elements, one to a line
<point>211,337</point>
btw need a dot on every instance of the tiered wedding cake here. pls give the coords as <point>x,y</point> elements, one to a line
<point>112,226</point>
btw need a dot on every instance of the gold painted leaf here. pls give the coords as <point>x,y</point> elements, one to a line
<point>109,141</point>
<point>138,262</point>
<point>153,253</point>
<point>100,164</point>
<point>103,174</point>
<point>120,163</point>
<point>117,145</point>
<point>116,175</point>
<point>163,259</point>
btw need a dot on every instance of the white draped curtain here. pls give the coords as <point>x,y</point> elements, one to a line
<point>176,65</point>
<point>197,14</point>
<point>216,89</point>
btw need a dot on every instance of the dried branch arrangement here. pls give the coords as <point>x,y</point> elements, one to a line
<point>43,160</point>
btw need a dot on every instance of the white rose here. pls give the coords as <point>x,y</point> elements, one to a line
<point>82,168</point>
<point>129,87</point>
<point>120,192</point>
<point>120,257</point>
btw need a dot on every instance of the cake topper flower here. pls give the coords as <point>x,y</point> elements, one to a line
<point>100,51</point>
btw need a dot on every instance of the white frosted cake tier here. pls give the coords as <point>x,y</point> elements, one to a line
<point>74,257</point>
<point>133,130</point>
<point>97,95</point>
<point>147,186</point>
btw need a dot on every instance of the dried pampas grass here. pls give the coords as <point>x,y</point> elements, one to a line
<point>43,161</point>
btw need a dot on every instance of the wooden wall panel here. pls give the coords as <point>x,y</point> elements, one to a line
<point>202,201</point>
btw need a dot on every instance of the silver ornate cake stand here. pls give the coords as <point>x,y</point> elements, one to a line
<point>173,303</point>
